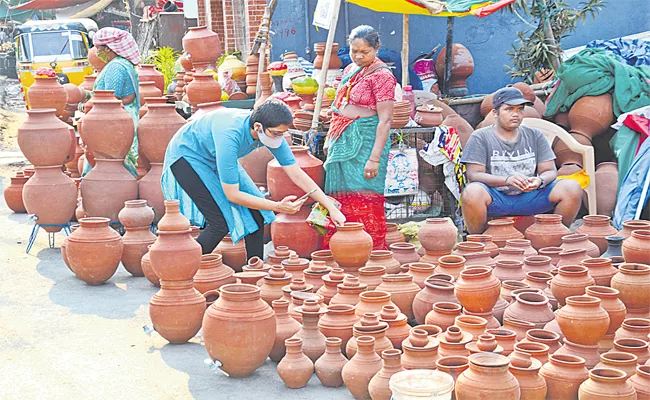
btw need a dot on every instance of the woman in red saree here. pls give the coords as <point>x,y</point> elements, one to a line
<point>358,140</point>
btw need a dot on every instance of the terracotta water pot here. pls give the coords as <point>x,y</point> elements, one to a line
<point>279,183</point>
<point>438,234</point>
<point>94,251</point>
<point>563,375</point>
<point>239,329</point>
<point>358,372</point>
<point>293,230</point>
<point>502,230</point>
<point>508,288</point>
<point>572,257</point>
<point>338,322</point>
<point>369,325</point>
<point>487,377</point>
<point>477,289</point>
<point>571,280</point>
<point>518,326</point>
<point>325,256</point>
<point>398,328</point>
<point>173,220</point>
<point>330,284</point>
<point>175,256</point>
<point>384,258</point>
<point>203,89</point>
<point>633,225</point>
<point>149,189</point>
<point>636,248</point>
<point>47,93</point>
<point>146,90</point>
<point>607,183</point>
<point>276,279</point>
<point>106,187</point>
<point>156,129</point>
<point>634,328</point>
<point>549,338</point>
<point>295,266</point>
<point>530,307</point>
<point>14,193</point>
<point>148,272</point>
<point>435,290</point>
<point>313,275</point>
<point>443,314</point>
<point>453,342</point>
<point>420,272</point>
<point>44,139</point>
<point>404,253</point>
<point>51,196</point>
<point>597,227</point>
<point>614,307</point>
<point>547,231</point>
<point>108,129</point>
<point>567,160</point>
<point>329,366</point>
<point>536,350</point>
<point>601,269</point>
<point>348,292</point>
<point>487,242</point>
<point>212,273</point>
<point>580,241</point>
<point>606,383</point>
<point>538,279</point>
<point>89,80</point>
<point>632,281</point>
<point>378,387</point>
<point>176,311</point>
<point>351,246</point>
<point>234,254</point>
<point>148,73</point>
<point>136,218</point>
<point>403,291</point>
<point>506,270</point>
<point>638,347</point>
<point>201,45</point>
<point>524,244</point>
<point>625,362</point>
<point>420,350</point>
<point>393,235</point>
<point>296,368</point>
<point>641,382</point>
<point>591,115</point>
<point>371,276</point>
<point>372,301</point>
<point>462,65</point>
<point>588,353</point>
<point>451,264</point>
<point>465,248</point>
<point>583,320</point>
<point>472,324</point>
<point>553,252</point>
<point>526,370</point>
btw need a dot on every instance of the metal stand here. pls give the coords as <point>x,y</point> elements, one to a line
<point>50,237</point>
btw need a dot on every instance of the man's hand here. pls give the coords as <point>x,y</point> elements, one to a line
<point>517,181</point>
<point>289,206</point>
<point>337,216</point>
<point>533,183</point>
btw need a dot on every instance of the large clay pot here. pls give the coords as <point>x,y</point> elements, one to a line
<point>358,372</point>
<point>51,196</point>
<point>202,46</point>
<point>176,311</point>
<point>638,347</point>
<point>175,256</point>
<point>583,320</point>
<point>601,269</point>
<point>580,241</point>
<point>636,248</point>
<point>203,89</point>
<point>502,230</point>
<point>379,384</point>
<point>591,115</point>
<point>438,234</point>
<point>477,289</point>
<point>597,227</point>
<point>351,246</point>
<point>403,291</point>
<point>234,254</point>
<point>292,230</point>
<point>329,367</point>
<point>393,235</point>
<point>625,362</point>
<point>571,280</point>
<point>547,231</point>
<point>156,129</point>
<point>106,187</point>
<point>563,375</point>
<point>632,281</point>
<point>44,139</point>
<point>279,183</point>
<point>239,329</point>
<point>149,189</point>
<point>606,383</point>
<point>148,73</point>
<point>338,322</point>
<point>435,290</point>
<point>296,368</point>
<point>530,307</point>
<point>14,193</point>
<point>487,377</point>
<point>641,382</point>
<point>136,218</point>
<point>371,276</point>
<point>385,259</point>
<point>47,93</point>
<point>213,274</point>
<point>94,250</point>
<point>462,65</point>
<point>404,253</point>
<point>108,130</point>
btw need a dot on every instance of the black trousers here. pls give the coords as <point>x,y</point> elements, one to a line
<point>216,228</point>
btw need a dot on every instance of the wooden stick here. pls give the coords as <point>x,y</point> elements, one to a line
<point>405,51</point>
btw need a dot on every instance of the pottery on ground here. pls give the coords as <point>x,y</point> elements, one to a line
<point>338,322</point>
<point>295,369</point>
<point>606,383</point>
<point>403,291</point>
<point>47,92</point>
<point>106,187</point>
<point>378,387</point>
<point>625,362</point>
<point>571,280</point>
<point>213,273</point>
<point>358,372</point>
<point>502,230</point>
<point>563,375</point>
<point>641,382</point>
<point>351,246</point>
<point>51,197</point>
<point>632,281</point>
<point>94,250</point>
<point>487,377</point>
<point>294,231</point>
<point>175,256</point>
<point>234,254</point>
<point>477,289</point>
<point>583,321</point>
<point>636,248</point>
<point>597,227</point>
<point>176,311</point>
<point>547,231</point>
<point>438,234</point>
<point>136,218</point>
<point>435,290</point>
<point>404,253</point>
<point>530,307</point>
<point>108,130</point>
<point>329,366</point>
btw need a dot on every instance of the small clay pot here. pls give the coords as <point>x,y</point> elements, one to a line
<point>477,289</point>
<point>295,369</point>
<point>403,291</point>
<point>547,231</point>
<point>330,366</point>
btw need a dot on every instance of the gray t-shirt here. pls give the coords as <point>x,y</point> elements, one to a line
<point>503,158</point>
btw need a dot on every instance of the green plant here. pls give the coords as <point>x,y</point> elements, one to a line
<point>541,48</point>
<point>164,58</point>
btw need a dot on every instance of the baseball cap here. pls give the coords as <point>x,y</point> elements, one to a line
<point>510,96</point>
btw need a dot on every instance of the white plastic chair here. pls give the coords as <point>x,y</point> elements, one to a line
<point>552,131</point>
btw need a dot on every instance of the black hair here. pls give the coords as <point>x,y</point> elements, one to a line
<point>366,33</point>
<point>271,114</point>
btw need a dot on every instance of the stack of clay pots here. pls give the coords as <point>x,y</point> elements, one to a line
<point>136,217</point>
<point>302,119</point>
<point>148,73</point>
<point>177,310</point>
<point>335,63</point>
<point>202,47</point>
<point>401,114</point>
<point>252,67</point>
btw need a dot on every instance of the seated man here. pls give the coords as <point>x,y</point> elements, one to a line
<point>511,170</point>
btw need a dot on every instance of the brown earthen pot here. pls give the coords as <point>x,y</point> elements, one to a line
<point>94,251</point>
<point>471,324</point>
<point>148,73</point>
<point>518,326</point>
<point>149,189</point>
<point>330,365</point>
<point>453,342</point>
<point>507,269</point>
<point>536,350</point>
<point>451,264</point>
<point>404,253</point>
<point>462,65</point>
<point>398,328</point>
<point>632,281</point>
<point>580,241</point>
<point>487,377</point>
<point>563,375</point>
<point>313,275</point>
<point>14,193</point>
<point>443,314</point>
<point>607,184</point>
<point>587,352</point>
<point>371,276</point>
<point>173,220</point>
<point>606,383</point>
<point>403,291</point>
<point>371,325</point>
<point>148,272</point>
<point>106,187</point>
<point>636,248</point>
<point>379,384</point>
<point>234,254</point>
<point>276,279</point>
<point>201,45</point>
<point>530,307</point>
<point>597,227</point>
<point>156,129</point>
<point>292,230</point>
<point>502,230</point>
<point>212,273</point>
<point>203,89</point>
<point>465,248</point>
<point>338,322</point>
<point>553,252</point>
<point>351,246</point>
<point>435,290</point>
<point>420,350</point>
<point>175,255</point>
<point>583,320</point>
<point>136,218</point>
<point>295,266</point>
<point>325,256</point>
<point>486,240</point>
<point>438,234</point>
<point>635,328</point>
<point>571,280</point>
<point>625,362</point>
<point>547,231</point>
<point>393,235</point>
<point>615,308</point>
<point>47,93</point>
<point>295,369</point>
<point>51,196</point>
<point>358,372</point>
<point>420,272</point>
<point>44,139</point>
<point>477,289</point>
<point>279,183</point>
<point>633,225</point>
<point>148,89</point>
<point>348,292</point>
<point>330,284</point>
<point>176,311</point>
<point>108,129</point>
<point>549,338</point>
<point>372,301</point>
<point>601,269</point>
<point>313,339</point>
<point>641,382</point>
<point>538,279</point>
<point>384,258</point>
<point>508,288</point>
<point>591,115</point>
<point>638,347</point>
<point>531,385</point>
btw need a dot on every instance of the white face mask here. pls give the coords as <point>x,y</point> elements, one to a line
<point>272,143</point>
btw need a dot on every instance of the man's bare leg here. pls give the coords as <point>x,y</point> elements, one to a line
<point>567,194</point>
<point>475,199</point>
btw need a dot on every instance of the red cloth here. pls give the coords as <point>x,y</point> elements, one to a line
<point>640,124</point>
<point>367,208</point>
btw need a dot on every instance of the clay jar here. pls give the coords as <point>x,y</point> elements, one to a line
<point>330,284</point>
<point>14,193</point>
<point>530,307</point>
<point>351,246</point>
<point>636,248</point>
<point>203,89</point>
<point>295,266</point>
<point>487,377</point>
<point>148,73</point>
<point>435,290</point>
<point>348,291</point>
<point>145,264</point>
<point>606,383</point>
<point>420,350</point>
<point>172,219</point>
<point>638,347</point>
<point>379,384</point>
<point>580,241</point>
<point>571,280</point>
<point>372,302</point>
<point>443,314</point>
<point>51,196</point>
<point>524,244</point>
<point>330,366</point>
<point>601,269</point>
<point>633,225</point>
<point>398,328</point>
<point>582,320</point>
<point>438,234</point>
<point>471,324</point>
<point>175,256</point>
<point>538,280</point>
<point>213,274</point>
<point>156,129</point>
<point>403,291</point>
<point>286,327</point>
<point>453,342</point>
<point>549,338</point>
<point>313,339</point>
<point>553,253</point>
<point>451,264</point>
<point>591,115</point>
<point>338,322</point>
<point>632,281</point>
<point>292,230</point>
<point>234,254</point>
<point>94,251</point>
<point>486,240</point>
<point>634,328</point>
<point>547,231</point>
<point>202,45</point>
<point>502,230</point>
<point>420,272</point>
<point>641,382</point>
<point>358,372</point>
<point>597,227</point>
<point>384,258</point>
<point>477,289</point>
<point>393,235</point>
<point>136,218</point>
<point>615,308</point>
<point>563,375</point>
<point>176,311</point>
<point>44,139</point>
<point>313,275</point>
<point>325,256</point>
<point>462,65</point>
<point>106,187</point>
<point>404,253</point>
<point>572,257</point>
<point>108,130</point>
<point>296,368</point>
<point>625,362</point>
<point>279,183</point>
<point>506,270</point>
<point>47,93</point>
<point>526,371</point>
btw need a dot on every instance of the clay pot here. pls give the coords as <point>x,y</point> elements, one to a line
<point>462,65</point>
<point>295,266</point>
<point>606,383</point>
<point>636,248</point>
<point>428,117</point>
<point>563,375</point>
<point>156,129</point>
<point>509,270</point>
<point>173,220</point>
<point>330,366</point>
<point>538,280</point>
<point>293,230</point>
<point>370,325</point>
<point>358,372</point>
<point>486,240</point>
<point>582,320</point>
<point>530,307</point>
<point>435,290</point>
<point>325,256</point>
<point>465,248</point>
<point>279,183</point>
<point>588,353</point>
<point>633,225</point>
<point>420,350</point>
<point>313,339</point>
<point>384,258</point>
<point>625,362</point>
<point>313,275</point>
<point>536,350</point>
<point>607,182</point>
<point>566,157</point>
<point>486,105</point>
<point>239,329</point>
<point>487,377</point>
<point>51,196</point>
<point>203,89</point>
<point>403,291</point>
<point>149,189</point>
<point>404,253</point>
<point>580,241</point>
<point>571,280</point>
<point>615,308</point>
<point>378,387</point>
<point>524,244</point>
<point>420,272</point>
<point>148,73</point>
<point>398,328</point>
<point>44,139</point>
<point>572,257</point>
<point>148,272</point>
<point>518,326</point>
<point>508,287</point>
<point>453,342</point>
<point>549,338</point>
<point>108,130</point>
<point>136,218</point>
<point>601,269</point>
<point>547,231</point>
<point>634,328</point>
<point>296,368</point>
<point>480,259</point>
<point>477,289</point>
<point>276,279</point>
<point>176,311</point>
<point>14,193</point>
<point>451,264</point>
<point>393,235</point>
<point>338,322</point>
<point>201,45</point>
<point>175,256</point>
<point>591,115</point>
<point>641,382</point>
<point>372,301</point>
<point>212,273</point>
<point>553,252</point>
<point>632,281</point>
<point>330,284</point>
<point>47,93</point>
<point>148,90</point>
<point>94,251</point>
<point>502,230</point>
<point>234,254</point>
<point>531,385</point>
<point>371,276</point>
<point>471,324</point>
<point>106,187</point>
<point>351,246</point>
<point>638,347</point>
<point>597,227</point>
<point>443,314</point>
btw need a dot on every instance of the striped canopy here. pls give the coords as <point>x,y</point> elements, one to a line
<point>453,8</point>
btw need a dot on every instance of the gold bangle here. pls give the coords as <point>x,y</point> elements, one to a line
<point>376,162</point>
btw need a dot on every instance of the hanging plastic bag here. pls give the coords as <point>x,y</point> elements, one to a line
<point>402,174</point>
